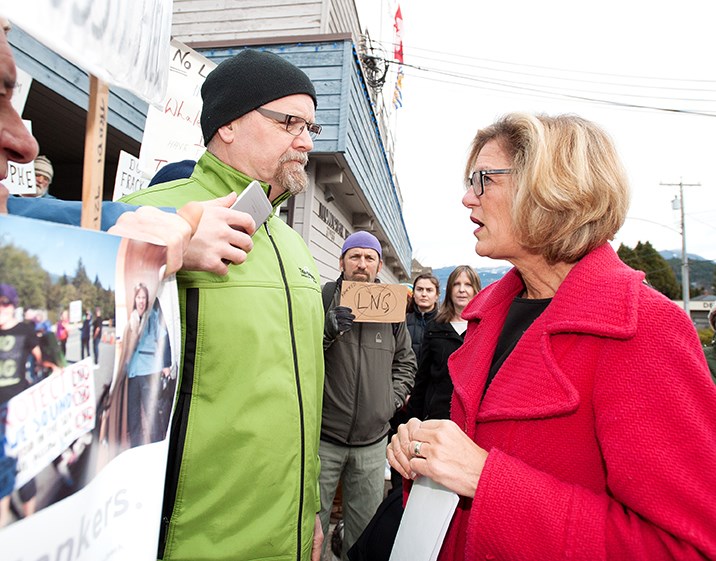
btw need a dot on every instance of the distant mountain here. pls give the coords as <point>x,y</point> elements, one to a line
<point>487,275</point>
<point>676,254</point>
<point>701,271</point>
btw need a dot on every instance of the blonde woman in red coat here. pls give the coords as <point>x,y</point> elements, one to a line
<point>583,419</point>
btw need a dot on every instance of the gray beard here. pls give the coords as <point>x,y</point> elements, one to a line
<point>290,177</point>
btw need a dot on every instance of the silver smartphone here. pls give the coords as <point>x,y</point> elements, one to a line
<point>254,201</point>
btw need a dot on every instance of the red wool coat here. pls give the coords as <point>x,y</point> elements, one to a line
<point>600,426</point>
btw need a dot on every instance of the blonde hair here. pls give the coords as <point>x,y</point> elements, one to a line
<point>571,192</point>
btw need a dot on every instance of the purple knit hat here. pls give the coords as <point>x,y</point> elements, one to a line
<point>8,291</point>
<point>363,240</point>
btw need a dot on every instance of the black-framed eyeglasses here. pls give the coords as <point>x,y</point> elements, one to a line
<point>294,125</point>
<point>478,185</point>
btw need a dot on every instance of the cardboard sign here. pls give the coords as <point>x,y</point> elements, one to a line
<point>375,302</point>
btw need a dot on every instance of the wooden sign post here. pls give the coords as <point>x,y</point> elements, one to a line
<point>95,148</point>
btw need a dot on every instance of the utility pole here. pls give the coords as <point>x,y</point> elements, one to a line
<point>685,283</point>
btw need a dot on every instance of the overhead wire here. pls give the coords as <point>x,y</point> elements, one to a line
<point>527,85</point>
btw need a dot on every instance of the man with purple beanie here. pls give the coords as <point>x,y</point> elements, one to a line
<point>369,372</point>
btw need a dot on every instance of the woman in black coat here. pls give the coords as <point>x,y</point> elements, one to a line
<point>430,398</point>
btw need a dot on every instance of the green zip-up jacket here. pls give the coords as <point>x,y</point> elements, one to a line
<point>243,458</point>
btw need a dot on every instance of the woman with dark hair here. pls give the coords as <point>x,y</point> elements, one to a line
<point>430,398</point>
<point>422,308</point>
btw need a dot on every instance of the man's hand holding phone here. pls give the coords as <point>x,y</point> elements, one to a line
<point>223,236</point>
<point>224,233</point>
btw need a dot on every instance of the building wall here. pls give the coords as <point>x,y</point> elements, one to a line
<point>197,21</point>
<point>350,140</point>
<point>57,104</point>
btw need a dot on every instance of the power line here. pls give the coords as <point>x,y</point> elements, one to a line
<point>550,94</point>
<point>527,87</point>
<point>552,68</point>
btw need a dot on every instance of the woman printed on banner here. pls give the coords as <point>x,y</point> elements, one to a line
<point>113,407</point>
<point>151,381</point>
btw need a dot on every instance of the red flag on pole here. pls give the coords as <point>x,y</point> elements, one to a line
<point>398,27</point>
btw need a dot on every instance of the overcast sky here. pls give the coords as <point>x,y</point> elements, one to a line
<point>479,60</point>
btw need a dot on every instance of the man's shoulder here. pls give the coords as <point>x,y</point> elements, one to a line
<point>21,328</point>
<point>173,193</point>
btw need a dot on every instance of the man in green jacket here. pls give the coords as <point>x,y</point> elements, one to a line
<point>243,457</point>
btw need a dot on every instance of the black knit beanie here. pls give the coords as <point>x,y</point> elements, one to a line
<point>246,81</point>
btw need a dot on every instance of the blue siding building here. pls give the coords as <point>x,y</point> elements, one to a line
<point>352,185</point>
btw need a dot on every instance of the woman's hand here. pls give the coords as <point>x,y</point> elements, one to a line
<point>439,450</point>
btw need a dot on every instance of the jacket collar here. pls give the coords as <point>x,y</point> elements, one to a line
<point>220,179</point>
<point>600,287</point>
<point>599,296</point>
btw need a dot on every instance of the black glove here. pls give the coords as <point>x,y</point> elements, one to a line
<point>338,321</point>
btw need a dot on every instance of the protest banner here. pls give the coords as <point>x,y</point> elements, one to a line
<point>121,42</point>
<point>45,419</point>
<point>95,458</point>
<point>173,132</point>
<point>374,301</point>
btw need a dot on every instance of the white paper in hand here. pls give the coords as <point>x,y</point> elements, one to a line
<point>425,521</point>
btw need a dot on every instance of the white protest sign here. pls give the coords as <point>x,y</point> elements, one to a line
<point>48,417</point>
<point>128,179</point>
<point>76,311</point>
<point>121,42</point>
<point>20,178</point>
<point>173,133</point>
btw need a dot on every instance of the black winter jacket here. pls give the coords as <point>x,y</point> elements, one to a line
<point>431,395</point>
<point>417,321</point>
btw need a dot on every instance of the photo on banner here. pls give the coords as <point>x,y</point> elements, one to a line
<point>83,438</point>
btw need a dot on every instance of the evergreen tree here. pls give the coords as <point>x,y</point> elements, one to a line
<point>81,277</point>
<point>629,256</point>
<point>25,273</point>
<point>658,272</point>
